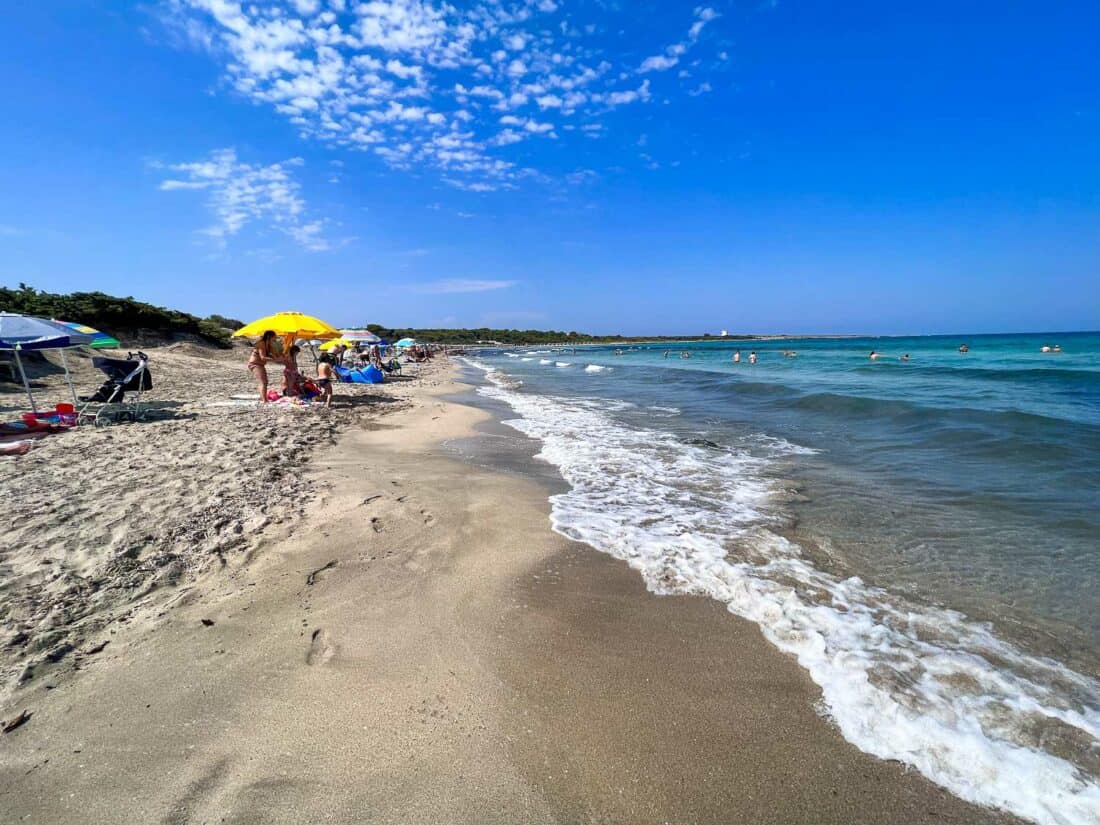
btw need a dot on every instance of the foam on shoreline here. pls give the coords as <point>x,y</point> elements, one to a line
<point>922,685</point>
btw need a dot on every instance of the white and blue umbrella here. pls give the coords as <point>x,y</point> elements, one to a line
<point>25,333</point>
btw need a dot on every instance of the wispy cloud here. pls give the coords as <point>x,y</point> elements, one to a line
<point>673,53</point>
<point>9,231</point>
<point>456,285</point>
<point>240,193</point>
<point>424,84</point>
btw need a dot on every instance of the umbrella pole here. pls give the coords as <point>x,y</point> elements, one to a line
<point>26,383</point>
<point>68,376</point>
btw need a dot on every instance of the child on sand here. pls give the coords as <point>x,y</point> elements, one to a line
<point>325,377</point>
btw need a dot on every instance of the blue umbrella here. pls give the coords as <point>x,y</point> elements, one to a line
<point>22,333</point>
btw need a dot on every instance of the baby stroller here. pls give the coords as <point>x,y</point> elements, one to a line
<point>109,404</point>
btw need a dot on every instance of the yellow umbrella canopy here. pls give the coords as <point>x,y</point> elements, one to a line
<point>289,326</point>
<point>335,342</point>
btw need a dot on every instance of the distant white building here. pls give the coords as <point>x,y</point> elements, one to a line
<point>725,333</point>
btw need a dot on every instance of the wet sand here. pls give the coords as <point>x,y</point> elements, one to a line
<point>414,644</point>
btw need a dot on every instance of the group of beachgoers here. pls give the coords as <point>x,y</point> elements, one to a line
<point>297,385</point>
<point>294,383</point>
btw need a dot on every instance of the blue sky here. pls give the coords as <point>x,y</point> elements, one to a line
<point>603,166</point>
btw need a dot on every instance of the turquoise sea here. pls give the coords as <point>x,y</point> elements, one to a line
<point>922,534</point>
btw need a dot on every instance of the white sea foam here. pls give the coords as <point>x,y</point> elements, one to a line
<point>562,364</point>
<point>512,355</point>
<point>545,361</point>
<point>526,359</point>
<point>922,685</point>
<point>782,445</point>
<point>663,412</point>
<point>595,368</point>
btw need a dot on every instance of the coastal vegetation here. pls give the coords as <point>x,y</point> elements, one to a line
<point>124,318</point>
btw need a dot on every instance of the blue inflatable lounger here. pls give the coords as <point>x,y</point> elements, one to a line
<point>367,375</point>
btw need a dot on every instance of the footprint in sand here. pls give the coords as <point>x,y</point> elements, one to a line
<point>321,648</point>
<point>315,576</point>
<point>429,519</point>
<point>376,523</point>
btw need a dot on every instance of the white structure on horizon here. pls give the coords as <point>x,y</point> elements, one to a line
<point>725,333</point>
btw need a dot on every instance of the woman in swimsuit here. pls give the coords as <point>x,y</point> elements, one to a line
<point>324,378</point>
<point>263,352</point>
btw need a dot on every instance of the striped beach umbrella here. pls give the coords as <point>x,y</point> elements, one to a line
<point>100,340</point>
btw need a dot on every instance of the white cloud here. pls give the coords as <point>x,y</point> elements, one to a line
<point>507,137</point>
<point>240,193</point>
<point>419,83</point>
<point>538,128</point>
<point>629,96</point>
<point>658,63</point>
<point>673,53</point>
<point>169,185</point>
<point>459,285</point>
<point>9,231</point>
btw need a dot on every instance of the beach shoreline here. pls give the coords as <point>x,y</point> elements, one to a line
<point>421,647</point>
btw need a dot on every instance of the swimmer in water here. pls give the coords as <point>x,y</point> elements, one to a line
<point>737,356</point>
<point>752,357</point>
<point>685,354</point>
<point>666,353</point>
<point>874,355</point>
<point>1057,350</point>
<point>964,348</point>
<point>1044,348</point>
<point>904,357</point>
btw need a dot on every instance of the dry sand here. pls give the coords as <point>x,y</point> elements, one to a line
<point>403,640</point>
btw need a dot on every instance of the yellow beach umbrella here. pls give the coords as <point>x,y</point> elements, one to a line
<point>289,326</point>
<point>335,342</point>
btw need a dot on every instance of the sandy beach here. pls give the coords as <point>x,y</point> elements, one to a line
<point>231,614</point>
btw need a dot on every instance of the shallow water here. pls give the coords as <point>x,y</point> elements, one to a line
<point>921,534</point>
